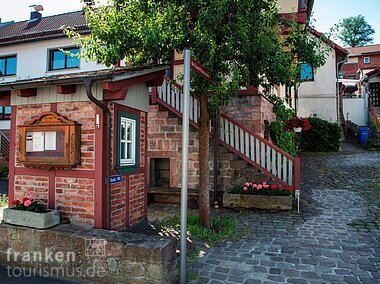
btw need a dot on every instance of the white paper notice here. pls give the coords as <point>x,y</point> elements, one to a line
<point>38,141</point>
<point>50,141</point>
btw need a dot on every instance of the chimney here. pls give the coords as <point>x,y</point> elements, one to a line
<point>89,3</point>
<point>35,14</point>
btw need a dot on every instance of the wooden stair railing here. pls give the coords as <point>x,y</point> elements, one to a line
<point>170,96</point>
<point>236,137</point>
<point>4,145</point>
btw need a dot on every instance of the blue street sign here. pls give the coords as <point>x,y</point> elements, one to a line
<point>116,179</point>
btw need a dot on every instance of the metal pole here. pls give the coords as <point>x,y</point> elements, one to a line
<point>185,152</point>
<point>215,128</point>
<point>338,112</point>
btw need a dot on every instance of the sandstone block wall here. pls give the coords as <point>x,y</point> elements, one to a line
<point>94,256</point>
<point>164,141</point>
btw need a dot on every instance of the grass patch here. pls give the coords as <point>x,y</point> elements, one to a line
<point>223,228</point>
<point>3,200</point>
<point>192,277</point>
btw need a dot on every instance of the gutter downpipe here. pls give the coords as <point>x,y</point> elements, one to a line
<point>338,112</point>
<point>88,83</point>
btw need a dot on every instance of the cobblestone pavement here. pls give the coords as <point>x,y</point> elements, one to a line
<point>335,238</point>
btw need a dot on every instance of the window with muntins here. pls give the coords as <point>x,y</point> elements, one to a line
<point>8,65</point>
<point>307,72</point>
<point>59,59</point>
<point>367,60</point>
<point>127,141</point>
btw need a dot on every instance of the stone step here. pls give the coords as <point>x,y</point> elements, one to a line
<point>169,195</point>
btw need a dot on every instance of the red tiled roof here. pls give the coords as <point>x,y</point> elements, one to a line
<point>338,48</point>
<point>374,71</point>
<point>45,28</point>
<point>363,50</point>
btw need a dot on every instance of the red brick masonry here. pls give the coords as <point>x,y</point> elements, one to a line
<point>73,191</point>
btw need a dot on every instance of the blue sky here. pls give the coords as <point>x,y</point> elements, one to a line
<point>326,12</point>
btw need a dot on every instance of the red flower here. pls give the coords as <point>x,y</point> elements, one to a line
<point>15,202</point>
<point>24,199</point>
<point>296,122</point>
<point>273,186</point>
<point>289,188</point>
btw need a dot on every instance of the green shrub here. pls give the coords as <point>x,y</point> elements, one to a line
<point>3,171</point>
<point>322,137</point>
<point>281,138</point>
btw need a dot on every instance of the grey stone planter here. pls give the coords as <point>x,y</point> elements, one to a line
<point>31,219</point>
<point>257,201</point>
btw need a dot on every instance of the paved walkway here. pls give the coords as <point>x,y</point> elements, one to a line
<point>3,186</point>
<point>335,239</point>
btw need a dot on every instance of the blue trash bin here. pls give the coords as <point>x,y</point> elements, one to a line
<point>363,134</point>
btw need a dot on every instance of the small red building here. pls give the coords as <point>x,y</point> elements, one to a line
<point>78,128</point>
<point>40,157</point>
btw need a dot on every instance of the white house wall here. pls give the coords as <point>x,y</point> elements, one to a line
<point>355,110</point>
<point>288,6</point>
<point>46,95</point>
<point>5,124</point>
<point>319,96</point>
<point>33,60</point>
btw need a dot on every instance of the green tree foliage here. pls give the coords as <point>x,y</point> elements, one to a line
<point>239,42</point>
<point>283,139</point>
<point>355,31</point>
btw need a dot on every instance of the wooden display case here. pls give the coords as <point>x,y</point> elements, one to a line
<point>50,141</point>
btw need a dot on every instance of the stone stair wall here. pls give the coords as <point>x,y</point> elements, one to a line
<point>164,141</point>
<point>232,170</point>
<point>253,111</point>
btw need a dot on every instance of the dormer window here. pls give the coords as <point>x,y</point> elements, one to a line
<point>8,65</point>
<point>367,60</point>
<point>59,59</point>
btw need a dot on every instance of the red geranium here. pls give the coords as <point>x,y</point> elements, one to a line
<point>297,122</point>
<point>28,204</point>
<point>289,188</point>
<point>273,186</point>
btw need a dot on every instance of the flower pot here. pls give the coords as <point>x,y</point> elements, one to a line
<point>257,201</point>
<point>31,219</point>
<point>297,129</point>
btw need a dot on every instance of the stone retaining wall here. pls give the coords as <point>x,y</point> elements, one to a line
<point>71,251</point>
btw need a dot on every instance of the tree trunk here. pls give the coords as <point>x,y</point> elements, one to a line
<point>204,192</point>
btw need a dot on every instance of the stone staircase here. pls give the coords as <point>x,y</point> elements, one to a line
<point>164,136</point>
<point>243,153</point>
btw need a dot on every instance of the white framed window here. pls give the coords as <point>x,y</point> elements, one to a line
<point>367,60</point>
<point>127,141</point>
